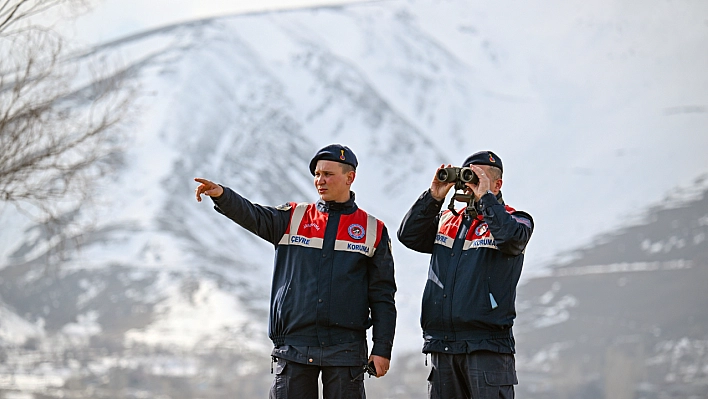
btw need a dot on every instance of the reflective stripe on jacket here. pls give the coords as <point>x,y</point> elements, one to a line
<point>474,268</point>
<point>333,276</point>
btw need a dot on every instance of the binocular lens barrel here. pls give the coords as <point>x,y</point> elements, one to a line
<point>451,175</point>
<point>466,174</point>
<point>447,175</point>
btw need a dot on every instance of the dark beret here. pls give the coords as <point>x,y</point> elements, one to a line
<point>336,153</point>
<point>484,158</point>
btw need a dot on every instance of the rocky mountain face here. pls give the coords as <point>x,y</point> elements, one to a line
<point>147,293</point>
<point>626,318</point>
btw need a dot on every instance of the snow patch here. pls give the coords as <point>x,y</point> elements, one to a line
<point>202,318</point>
<point>624,267</point>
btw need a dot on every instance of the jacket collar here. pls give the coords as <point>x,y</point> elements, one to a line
<point>344,207</point>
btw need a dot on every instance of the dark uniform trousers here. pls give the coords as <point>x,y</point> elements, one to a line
<point>300,381</point>
<point>476,375</point>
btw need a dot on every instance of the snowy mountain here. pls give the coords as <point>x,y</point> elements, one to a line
<point>165,296</point>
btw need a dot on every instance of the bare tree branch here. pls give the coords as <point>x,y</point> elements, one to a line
<point>14,12</point>
<point>59,123</point>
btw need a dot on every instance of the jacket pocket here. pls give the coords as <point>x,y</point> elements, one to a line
<point>432,309</point>
<point>492,300</point>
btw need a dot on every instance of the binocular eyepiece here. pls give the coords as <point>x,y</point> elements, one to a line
<point>457,175</point>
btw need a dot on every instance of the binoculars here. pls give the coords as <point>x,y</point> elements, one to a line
<point>457,175</point>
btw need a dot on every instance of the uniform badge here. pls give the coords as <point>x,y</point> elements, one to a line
<point>481,229</point>
<point>284,207</point>
<point>521,220</point>
<point>356,231</point>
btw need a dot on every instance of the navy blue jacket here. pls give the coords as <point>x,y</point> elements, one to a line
<point>468,302</point>
<point>333,276</point>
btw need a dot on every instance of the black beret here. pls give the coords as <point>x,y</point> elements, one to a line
<point>484,158</point>
<point>336,153</point>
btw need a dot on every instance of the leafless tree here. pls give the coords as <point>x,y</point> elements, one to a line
<point>60,111</point>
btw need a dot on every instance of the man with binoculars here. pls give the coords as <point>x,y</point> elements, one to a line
<point>468,303</point>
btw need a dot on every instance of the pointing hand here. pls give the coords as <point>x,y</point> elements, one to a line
<point>209,188</point>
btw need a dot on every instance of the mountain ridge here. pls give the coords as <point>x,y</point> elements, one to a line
<point>164,292</point>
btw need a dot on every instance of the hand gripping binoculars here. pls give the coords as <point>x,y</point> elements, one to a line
<point>457,175</point>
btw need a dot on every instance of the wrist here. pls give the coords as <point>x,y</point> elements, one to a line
<point>433,196</point>
<point>221,194</point>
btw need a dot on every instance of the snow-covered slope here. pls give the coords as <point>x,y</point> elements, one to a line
<point>595,108</point>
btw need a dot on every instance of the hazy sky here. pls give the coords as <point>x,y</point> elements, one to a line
<point>110,19</point>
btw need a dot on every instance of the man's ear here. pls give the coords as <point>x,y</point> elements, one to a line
<point>351,175</point>
<point>498,184</point>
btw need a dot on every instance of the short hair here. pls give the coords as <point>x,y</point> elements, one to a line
<point>495,172</point>
<point>346,168</point>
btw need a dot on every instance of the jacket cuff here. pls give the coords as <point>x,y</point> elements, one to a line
<point>432,206</point>
<point>381,349</point>
<point>488,200</point>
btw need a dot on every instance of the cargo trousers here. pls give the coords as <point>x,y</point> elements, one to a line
<point>300,381</point>
<point>475,375</point>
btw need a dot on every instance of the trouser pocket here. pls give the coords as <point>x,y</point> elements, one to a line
<point>294,381</point>
<point>343,382</point>
<point>278,390</point>
<point>499,384</point>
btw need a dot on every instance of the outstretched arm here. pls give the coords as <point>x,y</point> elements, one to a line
<point>267,222</point>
